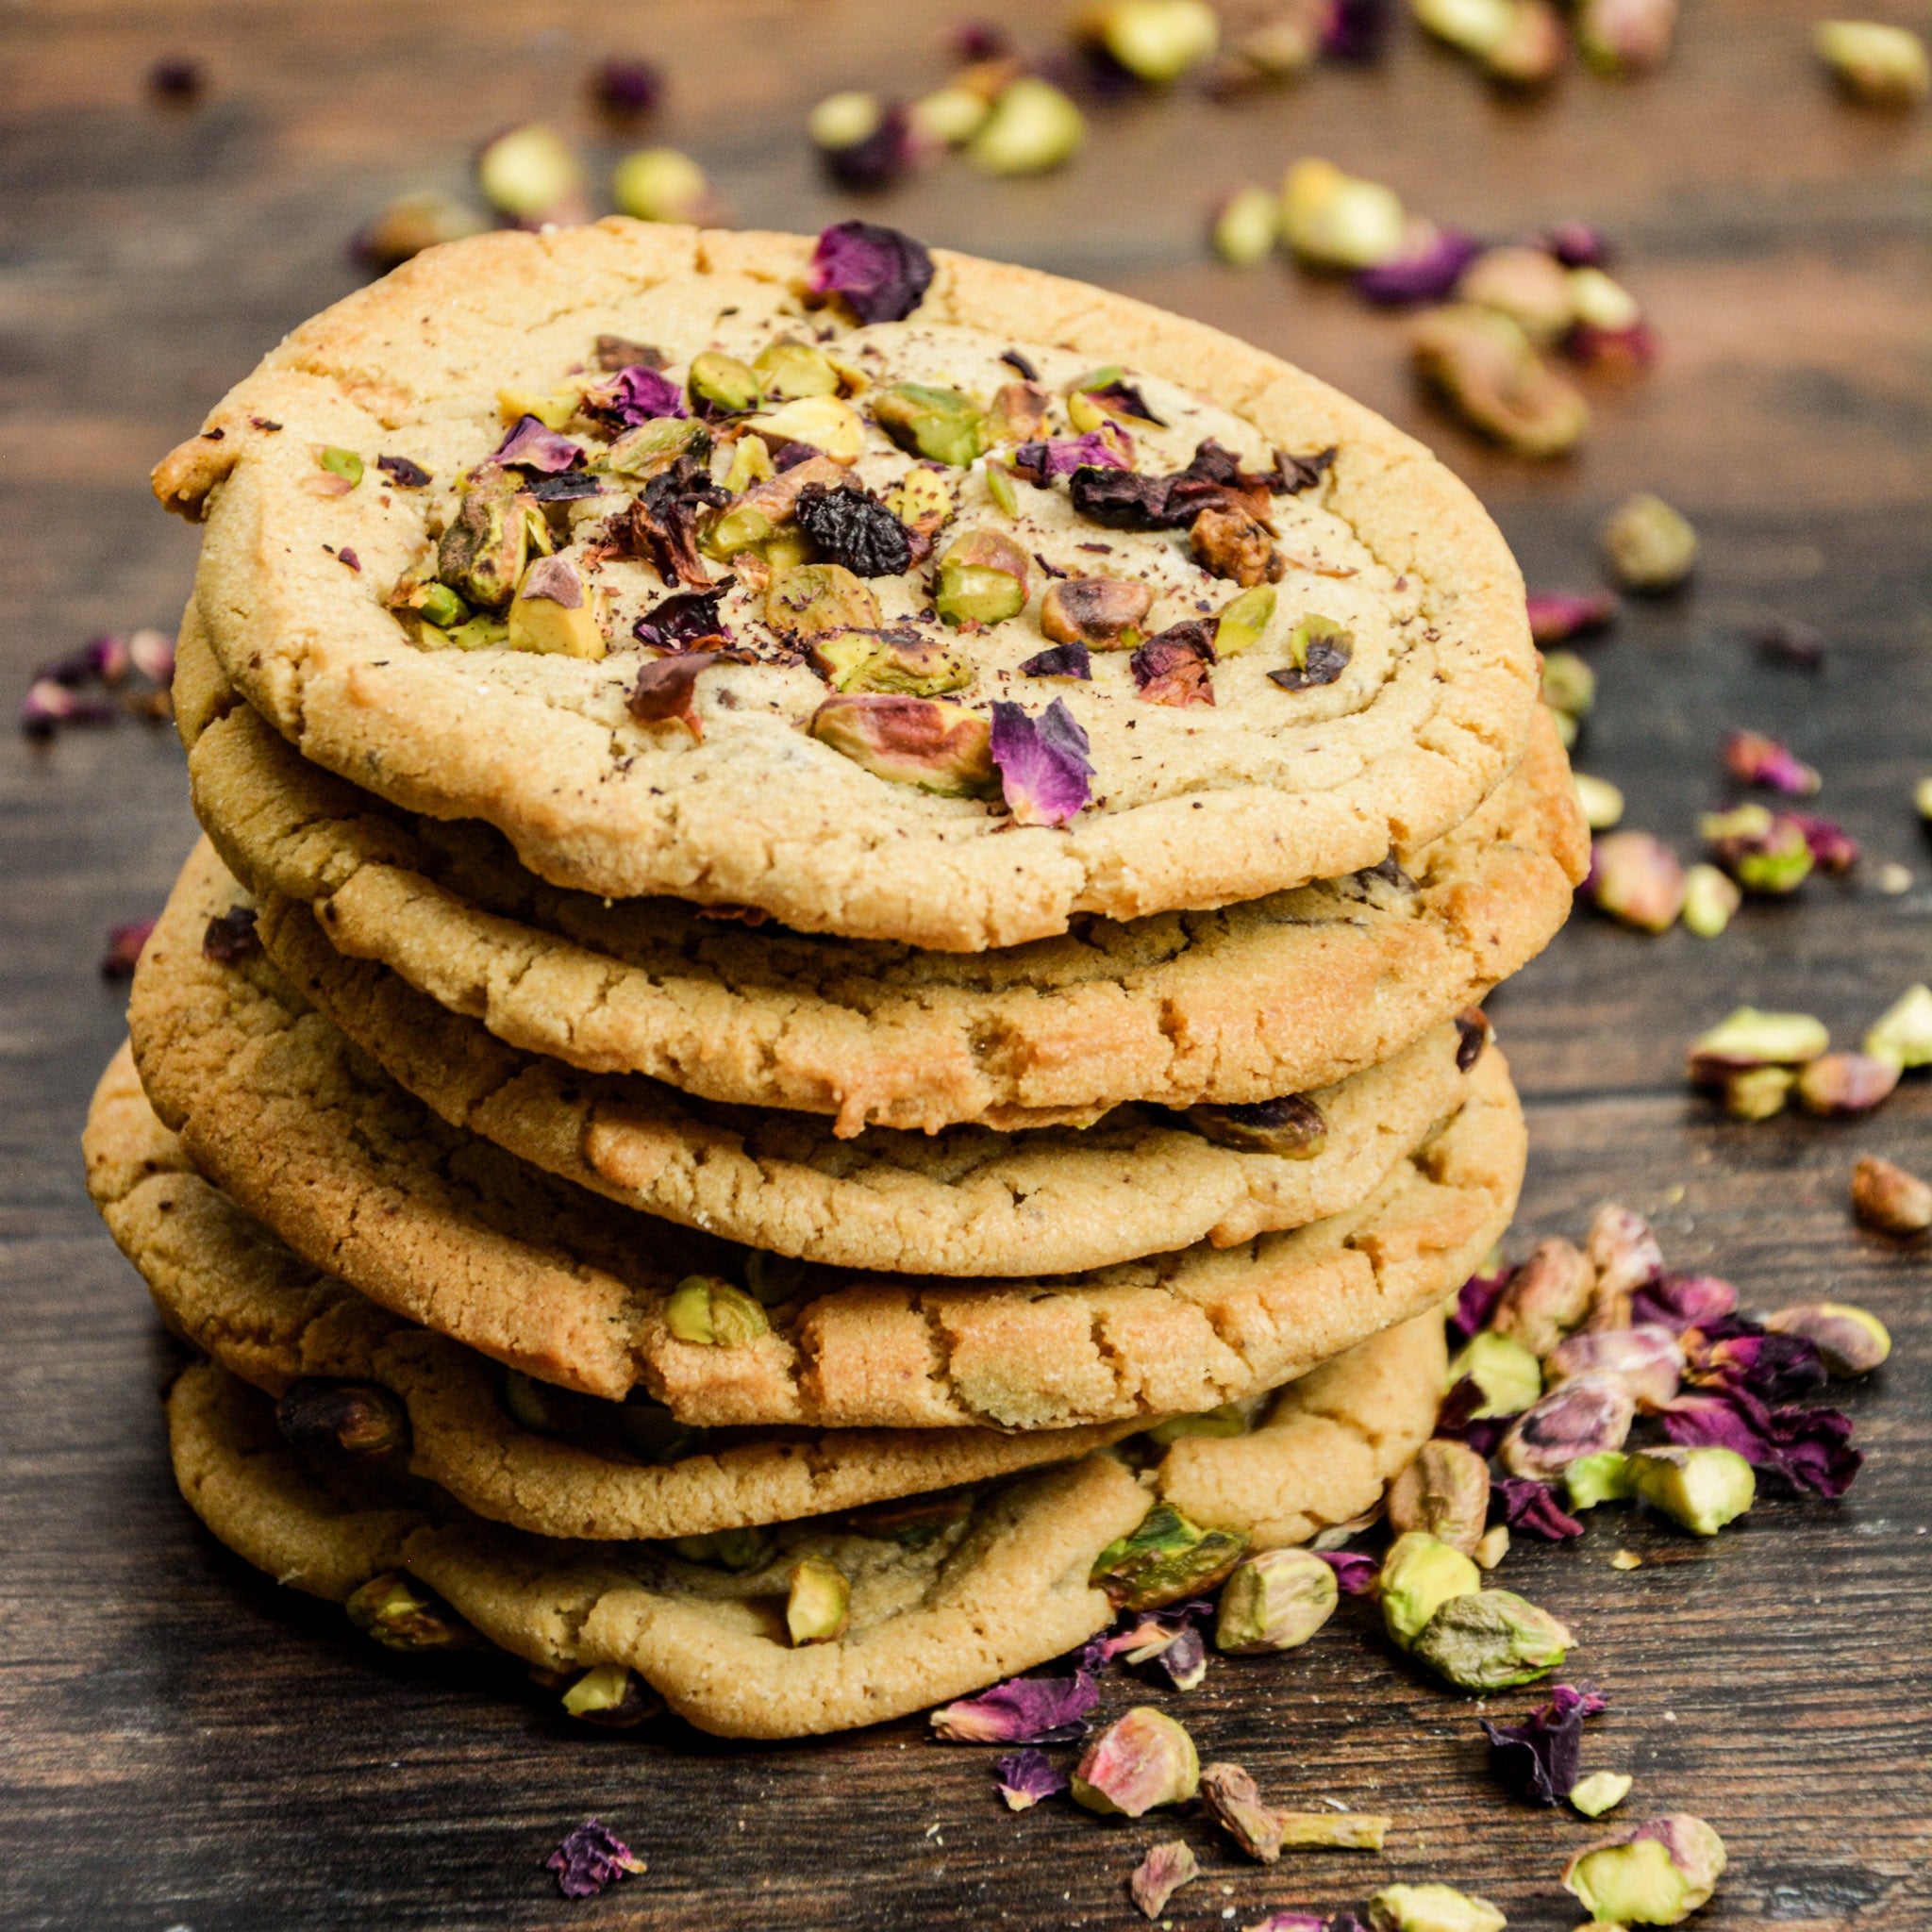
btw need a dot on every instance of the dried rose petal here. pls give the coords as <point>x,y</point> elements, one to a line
<point>1542,1758</point>
<point>1166,1868</point>
<point>1809,1448</point>
<point>1354,1572</point>
<point>589,1859</point>
<point>1354,29</point>
<point>1577,244</point>
<point>530,445</point>
<point>48,705</point>
<point>1045,775</point>
<point>1023,1711</point>
<point>1753,760</point>
<point>404,474</point>
<point>879,273</point>
<point>685,620</point>
<point>1832,848</point>
<point>124,948</point>
<point>665,688</point>
<point>1476,1301</point>
<point>1532,1505</point>
<point>1063,660</point>
<point>1172,667</point>
<point>626,90</point>
<point>1557,616</point>
<point>1025,1778</point>
<point>230,936</point>
<point>1061,455</point>
<point>1682,1301</point>
<point>1625,350</point>
<point>636,394</point>
<point>1735,1353</point>
<point>1427,270</point>
<point>1213,478</point>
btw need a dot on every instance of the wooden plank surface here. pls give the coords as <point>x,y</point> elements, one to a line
<point>186,1747</point>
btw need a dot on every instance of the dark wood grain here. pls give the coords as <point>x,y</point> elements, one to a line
<point>185,1747</point>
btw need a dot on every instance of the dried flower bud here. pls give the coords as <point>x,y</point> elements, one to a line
<point>1891,1199</point>
<point>1166,1558</point>
<point>1482,363</point>
<point>1246,226</point>
<point>1418,1576</point>
<point>1339,221</point>
<point>357,1419</point>
<point>1528,285</point>
<point>1701,1488</point>
<point>400,1614</point>
<point>658,184</point>
<point>1431,1908</point>
<point>1748,1038</point>
<point>612,1696</point>
<point>1648,1361</point>
<point>1837,1083</point>
<point>1444,1493</point>
<point>982,579</point>
<point>1601,1792</point>
<point>1509,1376</point>
<point>1430,263</point>
<point>1491,1640</point>
<point>1883,66</point>
<point>1166,1868</point>
<point>1849,1341</point>
<point>704,1309</point>
<point>1753,760</point>
<point>864,142</point>
<point>1602,1478</point>
<point>818,1601</point>
<point>1649,545</point>
<point>1711,899</point>
<point>1601,803</point>
<point>1546,1298</point>
<point>1276,1600</point>
<point>1626,36</point>
<point>531,176</point>
<point>1585,1416</point>
<point>1142,1760</point>
<point>1657,1874</point>
<point>1903,1031</point>
<point>1033,128</point>
<point>1291,1127</point>
<point>1637,878</point>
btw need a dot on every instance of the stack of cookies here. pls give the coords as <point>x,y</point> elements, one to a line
<point>836,965</point>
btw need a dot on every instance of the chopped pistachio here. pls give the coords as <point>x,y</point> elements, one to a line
<point>658,184</point>
<point>1492,1546</point>
<point>1569,683</point>
<point>1602,1478</point>
<point>1103,613</point>
<point>1623,1250</point>
<point>1528,285</point>
<point>725,382</point>
<point>1508,1374</point>
<point>1223,1423</point>
<point>1748,1038</point>
<point>901,661</point>
<point>1033,128</point>
<point>1546,1298</point>
<point>1764,851</point>
<point>1838,1083</point>
<point>1340,220</point>
<point>829,423</point>
<point>938,423</point>
<point>705,1308</point>
<point>1885,66</point>
<point>789,371</point>
<point>1231,544</point>
<point>655,445</point>
<point>1583,1417</point>
<point>1289,1126</point>
<point>1418,1576</point>
<point>1756,1093</point>
<point>907,740</point>
<point>1443,1491</point>
<point>921,499</point>
<point>1649,545</point>
<point>1166,1558</point>
<point>1626,1559</point>
<point>344,463</point>
<point>1637,878</point>
<point>360,1420</point>
<point>949,116</point>
<point>737,1550</point>
<point>1234,1801</point>
<point>1601,806</point>
<point>1701,1488</point>
<point>612,1696</point>
<point>1166,1868</point>
<point>1601,1792</point>
<point>530,174</point>
<point>1599,302</point>
<point>1246,226</point>
<point>1018,412</point>
<point>1647,1360</point>
<point>551,407</point>
<point>1156,41</point>
<point>1490,1640</point>
<point>1921,798</point>
<point>482,552</point>
<point>818,1602</point>
<point>1485,366</point>
<point>999,486</point>
<point>751,462</point>
<point>814,598</point>
<point>1431,1908</point>
<point>1657,1874</point>
<point>1244,619</point>
<point>1710,899</point>
<point>482,632</point>
<point>982,579</point>
<point>1274,1600</point>
<point>400,1614</point>
<point>1891,1199</point>
<point>1849,1341</point>
<point>1903,1033</point>
<point>1317,641</point>
<point>552,611</point>
<point>1141,1760</point>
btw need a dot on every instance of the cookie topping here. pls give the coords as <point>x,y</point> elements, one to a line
<point>685,620</point>
<point>982,579</point>
<point>815,599</point>
<point>706,1310</point>
<point>851,526</point>
<point>591,1858</point>
<point>404,474</point>
<point>531,445</point>
<point>1045,775</point>
<point>634,393</point>
<point>939,747</point>
<point>355,1418</point>
<point>939,424</point>
<point>1040,462</point>
<point>1123,500</point>
<point>1165,1560</point>
<point>665,688</point>
<point>1229,542</point>
<point>1318,651</point>
<point>230,936</point>
<point>1172,667</point>
<point>879,272</point>
<point>818,1601</point>
<point>1063,660</point>
<point>903,662</point>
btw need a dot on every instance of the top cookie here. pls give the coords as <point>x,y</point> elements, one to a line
<point>852,774</point>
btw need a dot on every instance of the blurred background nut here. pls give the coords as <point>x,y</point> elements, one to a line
<point>1246,228</point>
<point>658,184</point>
<point>1443,1491</point>
<point>1711,899</point>
<point>1883,66</point>
<point>358,1419</point>
<point>1334,220</point>
<point>1648,545</point>
<point>1846,1083</point>
<point>530,176</point>
<point>1621,37</point>
<point>1889,1198</point>
<point>1033,128</point>
<point>1637,878</point>
<point>1480,361</point>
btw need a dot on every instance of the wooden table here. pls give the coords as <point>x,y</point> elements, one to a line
<point>186,1747</point>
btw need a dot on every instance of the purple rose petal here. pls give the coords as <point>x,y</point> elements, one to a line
<point>1061,660</point>
<point>635,394</point>
<point>1833,848</point>
<point>1476,1302</point>
<point>1531,1505</point>
<point>1061,455</point>
<point>879,273</point>
<point>1733,1353</point>
<point>1557,616</point>
<point>1023,1711</point>
<point>589,1859</point>
<point>1426,273</point>
<point>1025,1778</point>
<point>1045,775</point>
<point>1458,1418</point>
<point>686,621</point>
<point>1681,1301</point>
<point>1354,29</point>
<point>1807,1449</point>
<point>1541,1757</point>
<point>1354,1572</point>
<point>1577,244</point>
<point>531,446</point>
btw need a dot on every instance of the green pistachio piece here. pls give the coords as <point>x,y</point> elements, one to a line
<point>1903,1033</point>
<point>1485,366</point>
<point>725,382</point>
<point>740,1551</point>
<point>949,116</point>
<point>1339,221</point>
<point>441,606</point>
<point>1601,803</point>
<point>1228,1421</point>
<point>1569,683</point>
<point>1246,228</point>
<point>1601,1792</point>
<point>1166,1558</point>
<point>908,741</point>
<point>529,173</point>
<point>482,552</point>
<point>1273,1601</point>
<point>1603,1477</point>
<point>1156,41</point>
<point>1420,1575</point>
<point>653,446</point>
<point>1431,1908</point>
<point>1311,630</point>
<point>658,184</point>
<point>1712,898</point>
<point>1748,1038</point>
<point>482,632</point>
<point>999,486</point>
<point>1033,128</point>
<point>1490,1640</point>
<point>551,407</point>
<point>1492,1546</point>
<point>982,579</point>
<point>815,598</point>
<point>1445,1492</point>
<point>791,370</point>
<point>886,660</point>
<point>921,499</point>
<point>829,423</point>
<point>1701,1488</point>
<point>1657,1874</point>
<point>1849,1341</point>
<point>1105,613</point>
<point>1756,1093</point>
<point>1141,1760</point>
<point>1243,620</point>
<point>1508,1374</point>
<point>612,1696</point>
<point>344,463</point>
<point>1881,65</point>
<point>1018,413</point>
<point>751,462</point>
<point>704,1308</point>
<point>744,527</point>
<point>400,1614</point>
<point>1649,545</point>
<point>818,1601</point>
<point>939,424</point>
<point>552,611</point>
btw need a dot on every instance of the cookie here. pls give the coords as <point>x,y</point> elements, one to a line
<point>833,767</point>
<point>1001,1589</point>
<point>307,1135</point>
<point>1281,996</point>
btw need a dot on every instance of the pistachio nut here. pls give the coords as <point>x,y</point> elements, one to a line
<point>1623,36</point>
<point>1921,798</point>
<point>432,603</point>
<point>1274,1600</point>
<point>555,611</point>
<point>1166,1558</point>
<point>1528,285</point>
<point>981,579</point>
<point>543,1407</point>
<point>1231,1420</point>
<point>1492,1546</point>
<point>1701,1488</point>
<point>790,370</point>
<point>902,661</point>
<point>1849,1341</point>
<point>341,463</point>
<point>412,223</point>
<point>400,1614</point>
<point>1231,544</point>
<point>1903,1031</point>
<point>1569,684</point>
<point>1648,1361</point>
<point>1483,364</point>
<point>1883,66</point>
<point>1602,1478</point>
<point>812,600</point>
<point>481,553</point>
<point>1319,650</point>
<point>1509,1376</point>
<point>1889,1198</point>
<point>818,1601</point>
<point>1623,1251</point>
<point>651,1433</point>
<point>1154,40</point>
<point>1600,803</point>
<point>1764,851</point>
<point>1637,878</point>
<point>1648,544</point>
<point>999,486</point>
<point>939,424</point>
<point>1339,221</point>
<point>740,1551</point>
<point>551,407</point>
<point>723,382</point>
<point>1431,1908</point>
<point>613,1696</point>
<point>1472,26</point>
<point>1243,620</point>
<point>1033,128</point>
<point>1140,1760</point>
<point>1289,1126</point>
<point>1234,1801</point>
<point>829,423</point>
<point>1846,1083</point>
<point>1756,1093</point>
<point>1584,1417</point>
<point>482,632</point>
<point>939,747</point>
<point>1601,1792</point>
<point>1418,1576</point>
<point>356,1419</point>
<point>530,172</point>
<point>1748,1038</point>
<point>1711,899</point>
<point>1246,226</point>
<point>1492,1639</point>
<point>655,445</point>
<point>706,1310</point>
<point>1445,1492</point>
<point>948,117</point>
<point>1657,1874</point>
<point>923,500</point>
<point>658,184</point>
<point>1103,613</point>
<point>1599,303</point>
<point>1017,413</point>
<point>1546,1298</point>
<point>750,462</point>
